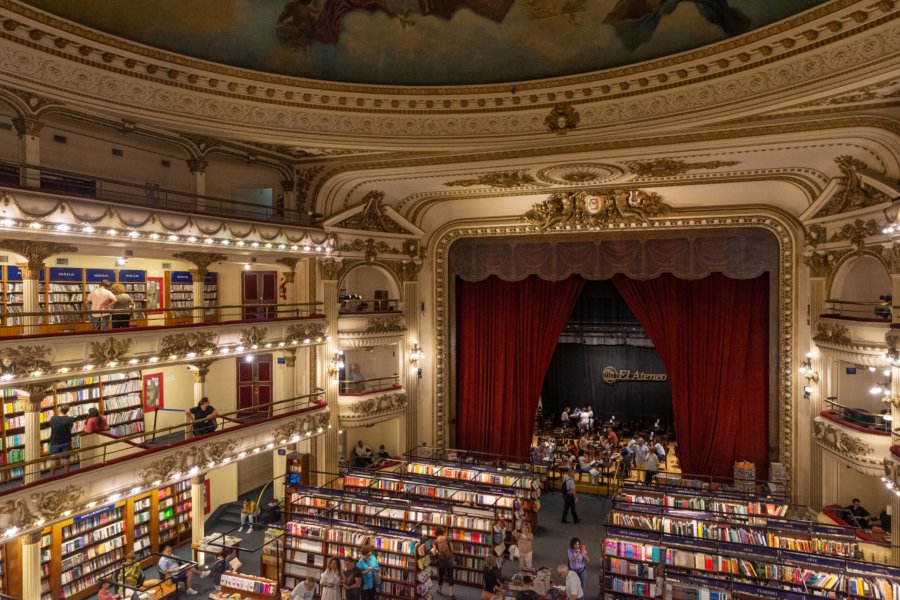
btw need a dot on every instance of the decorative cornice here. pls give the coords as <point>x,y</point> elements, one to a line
<point>495,179</point>
<point>856,233</point>
<point>36,252</point>
<point>181,344</point>
<point>40,507</point>
<point>302,425</point>
<point>179,463</point>
<point>200,369</point>
<point>562,119</point>
<point>595,209</point>
<point>202,260</point>
<point>112,349</point>
<point>367,411</point>
<point>385,325</point>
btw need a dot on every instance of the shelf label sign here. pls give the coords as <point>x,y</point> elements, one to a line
<point>132,276</point>
<point>94,513</point>
<point>182,277</point>
<point>13,273</point>
<point>66,274</point>
<point>98,275</point>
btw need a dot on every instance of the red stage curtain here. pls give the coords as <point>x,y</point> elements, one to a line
<point>712,335</point>
<point>507,332</point>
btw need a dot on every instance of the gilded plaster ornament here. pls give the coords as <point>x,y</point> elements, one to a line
<point>839,441</point>
<point>562,119</point>
<point>385,325</point>
<point>820,264</point>
<point>370,407</point>
<point>20,361</point>
<point>314,330</point>
<point>180,344</point>
<point>112,349</point>
<point>855,194</point>
<point>816,234</point>
<point>593,209</point>
<point>373,216</point>
<point>41,506</point>
<point>832,333</point>
<point>302,425</point>
<point>330,268</point>
<point>856,233</point>
<point>36,252</point>
<point>253,336</point>
<point>495,179</point>
<point>669,167</point>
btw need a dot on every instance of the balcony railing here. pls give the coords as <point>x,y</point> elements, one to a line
<point>359,387</point>
<point>136,443</point>
<point>858,418</point>
<point>877,312</point>
<point>79,321</point>
<point>69,183</point>
<point>365,305</point>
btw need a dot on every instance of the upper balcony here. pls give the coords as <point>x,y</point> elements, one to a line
<point>108,469</point>
<point>853,439</point>
<point>71,186</point>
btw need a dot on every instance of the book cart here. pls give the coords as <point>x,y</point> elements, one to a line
<point>475,508</point>
<point>663,551</point>
<point>402,555</point>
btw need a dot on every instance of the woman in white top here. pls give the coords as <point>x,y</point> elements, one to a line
<point>330,580</point>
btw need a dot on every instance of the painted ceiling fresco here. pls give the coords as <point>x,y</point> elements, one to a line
<point>425,42</point>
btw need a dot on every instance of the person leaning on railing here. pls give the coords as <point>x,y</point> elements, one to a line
<point>203,417</point>
<point>122,307</point>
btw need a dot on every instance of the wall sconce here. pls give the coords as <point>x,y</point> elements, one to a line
<point>882,388</point>
<point>335,365</point>
<point>416,354</point>
<point>811,376</point>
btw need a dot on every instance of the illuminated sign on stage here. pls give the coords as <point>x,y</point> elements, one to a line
<point>611,375</point>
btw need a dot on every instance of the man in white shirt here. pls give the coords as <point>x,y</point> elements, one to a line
<point>587,419</point>
<point>362,455</point>
<point>573,583</point>
<point>101,297</point>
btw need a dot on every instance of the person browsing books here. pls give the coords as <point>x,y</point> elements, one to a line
<point>61,438</point>
<point>371,573</point>
<point>352,580</point>
<point>443,554</point>
<point>574,589</point>
<point>330,580</point>
<point>305,590</point>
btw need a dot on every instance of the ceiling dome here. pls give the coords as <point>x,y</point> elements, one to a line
<point>425,42</point>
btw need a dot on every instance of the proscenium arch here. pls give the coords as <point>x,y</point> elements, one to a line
<point>787,234</point>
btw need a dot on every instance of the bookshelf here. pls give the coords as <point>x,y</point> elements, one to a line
<point>46,554</point>
<point>183,504</point>
<point>141,516</point>
<point>652,550</point>
<point>272,550</point>
<point>12,297</point>
<point>180,296</point>
<point>122,403</point>
<point>167,532</point>
<point>211,297</point>
<point>90,548</point>
<point>63,295</point>
<point>135,283</point>
<point>309,542</point>
<point>296,471</point>
<point>736,504</point>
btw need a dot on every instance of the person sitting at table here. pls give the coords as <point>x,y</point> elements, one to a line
<point>178,571</point>
<point>131,575</point>
<point>382,455</point>
<point>219,568</point>
<point>362,455</point>
<point>856,515</point>
<point>105,594</point>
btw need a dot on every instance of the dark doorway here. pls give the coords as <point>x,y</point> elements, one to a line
<point>259,294</point>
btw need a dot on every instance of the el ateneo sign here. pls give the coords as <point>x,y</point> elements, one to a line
<point>612,375</point>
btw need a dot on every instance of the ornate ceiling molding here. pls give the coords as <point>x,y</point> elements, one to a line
<point>41,507</point>
<point>794,52</point>
<point>595,209</point>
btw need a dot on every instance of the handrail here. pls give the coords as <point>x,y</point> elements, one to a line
<point>350,387</point>
<point>134,311</point>
<point>860,418</point>
<point>130,440</point>
<point>367,305</point>
<point>878,311</point>
<point>97,187</point>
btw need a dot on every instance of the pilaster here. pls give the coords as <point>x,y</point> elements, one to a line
<point>29,132</point>
<point>31,400</point>
<point>30,560</point>
<point>198,503</point>
<point>409,436</point>
<point>327,444</point>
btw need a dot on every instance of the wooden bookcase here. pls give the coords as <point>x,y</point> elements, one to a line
<point>211,297</point>
<point>179,290</point>
<point>135,283</point>
<point>310,542</point>
<point>11,299</point>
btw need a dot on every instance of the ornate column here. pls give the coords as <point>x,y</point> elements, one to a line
<point>409,437</point>
<point>31,566</point>
<point>198,504</point>
<point>197,167</point>
<point>199,371</point>
<point>820,266</point>
<point>35,253</point>
<point>202,260</point>
<point>327,444</point>
<point>32,396</point>
<point>288,208</point>
<point>29,130</point>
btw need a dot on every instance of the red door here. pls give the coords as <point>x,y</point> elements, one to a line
<point>259,294</point>
<point>254,387</point>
